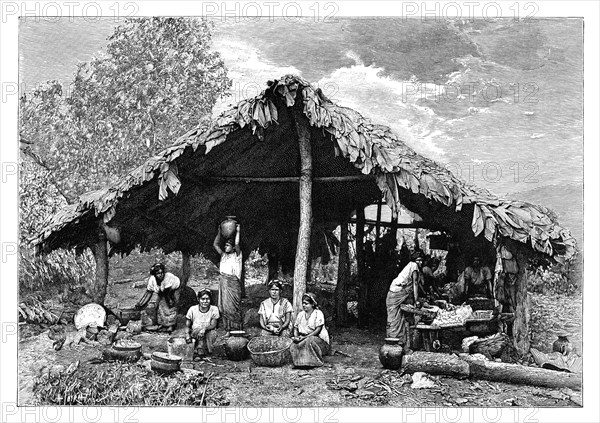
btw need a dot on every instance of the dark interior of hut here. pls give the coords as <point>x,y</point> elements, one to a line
<point>217,185</point>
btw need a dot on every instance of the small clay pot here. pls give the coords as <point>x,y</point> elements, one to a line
<point>165,362</point>
<point>562,345</point>
<point>236,346</point>
<point>390,354</point>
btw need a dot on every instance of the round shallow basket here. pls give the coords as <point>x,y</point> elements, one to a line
<point>270,351</point>
<point>90,314</point>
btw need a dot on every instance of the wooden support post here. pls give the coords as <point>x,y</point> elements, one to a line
<point>394,227</point>
<point>341,289</point>
<point>98,290</point>
<point>186,269</point>
<point>521,323</point>
<point>363,286</point>
<point>378,225</point>
<point>301,263</point>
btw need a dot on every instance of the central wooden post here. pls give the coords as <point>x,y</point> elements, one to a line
<point>98,290</point>
<point>301,264</point>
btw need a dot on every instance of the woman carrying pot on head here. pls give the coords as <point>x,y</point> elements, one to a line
<point>201,322</point>
<point>166,285</point>
<point>403,290</point>
<point>275,312</point>
<point>311,340</point>
<point>230,290</point>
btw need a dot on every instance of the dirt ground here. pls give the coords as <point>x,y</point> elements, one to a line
<point>357,380</point>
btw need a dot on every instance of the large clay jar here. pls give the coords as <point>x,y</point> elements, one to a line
<point>236,346</point>
<point>562,345</point>
<point>228,228</point>
<point>390,354</point>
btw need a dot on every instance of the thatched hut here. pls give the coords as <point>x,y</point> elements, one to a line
<point>287,163</point>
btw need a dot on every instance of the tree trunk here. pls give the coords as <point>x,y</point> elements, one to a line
<point>435,364</point>
<point>186,269</point>
<point>98,290</point>
<point>301,263</point>
<point>341,289</point>
<point>521,323</point>
<point>363,286</point>
<point>515,373</point>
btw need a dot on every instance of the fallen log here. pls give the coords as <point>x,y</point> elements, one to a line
<point>516,373</point>
<point>435,364</point>
<point>464,366</point>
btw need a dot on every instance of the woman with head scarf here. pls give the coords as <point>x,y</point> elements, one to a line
<point>166,285</point>
<point>311,340</point>
<point>275,312</point>
<point>201,322</point>
<point>403,290</point>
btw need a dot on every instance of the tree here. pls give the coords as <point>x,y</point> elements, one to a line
<point>157,79</point>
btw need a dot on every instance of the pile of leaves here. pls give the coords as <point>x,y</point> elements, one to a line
<point>124,384</point>
<point>33,310</point>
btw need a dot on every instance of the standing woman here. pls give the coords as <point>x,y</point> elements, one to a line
<point>403,290</point>
<point>230,290</point>
<point>166,285</point>
<point>275,312</point>
<point>311,340</point>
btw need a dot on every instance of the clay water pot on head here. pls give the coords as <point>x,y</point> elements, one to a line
<point>228,228</point>
<point>236,345</point>
<point>390,354</point>
<point>562,345</point>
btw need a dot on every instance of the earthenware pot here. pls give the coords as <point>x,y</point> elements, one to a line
<point>562,345</point>
<point>228,227</point>
<point>165,362</point>
<point>127,314</point>
<point>390,354</point>
<point>236,345</point>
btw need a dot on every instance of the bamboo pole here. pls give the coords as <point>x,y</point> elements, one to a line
<point>282,179</point>
<point>301,262</point>
<point>363,286</point>
<point>98,290</point>
<point>341,289</point>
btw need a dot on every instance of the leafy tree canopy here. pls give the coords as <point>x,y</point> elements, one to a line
<point>157,79</point>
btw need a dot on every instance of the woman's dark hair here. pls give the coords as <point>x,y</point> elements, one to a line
<point>276,283</point>
<point>416,255</point>
<point>156,267</point>
<point>203,292</point>
<point>311,298</point>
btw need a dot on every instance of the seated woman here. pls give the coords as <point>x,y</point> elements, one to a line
<point>166,285</point>
<point>311,340</point>
<point>275,312</point>
<point>201,323</point>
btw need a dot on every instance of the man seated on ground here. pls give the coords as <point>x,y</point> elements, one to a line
<point>478,280</point>
<point>201,322</point>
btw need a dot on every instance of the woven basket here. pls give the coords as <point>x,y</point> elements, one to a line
<point>270,351</point>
